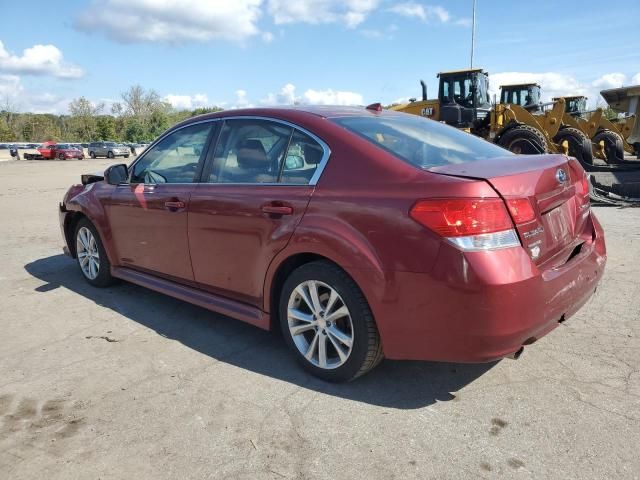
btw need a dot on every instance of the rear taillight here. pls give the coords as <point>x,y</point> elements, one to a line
<point>521,210</point>
<point>469,223</point>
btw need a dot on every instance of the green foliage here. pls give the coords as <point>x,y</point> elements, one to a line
<point>140,116</point>
<point>6,134</point>
<point>105,128</point>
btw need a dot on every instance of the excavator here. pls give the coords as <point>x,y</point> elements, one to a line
<point>463,101</point>
<point>626,100</point>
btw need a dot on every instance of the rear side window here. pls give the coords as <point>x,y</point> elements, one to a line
<point>421,142</point>
<point>262,151</point>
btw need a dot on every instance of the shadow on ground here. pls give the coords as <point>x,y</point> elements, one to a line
<point>393,384</point>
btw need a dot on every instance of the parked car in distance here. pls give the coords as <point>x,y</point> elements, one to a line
<point>65,151</point>
<point>108,149</point>
<point>361,233</point>
<point>47,150</point>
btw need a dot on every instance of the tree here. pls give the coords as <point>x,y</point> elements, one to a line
<point>105,128</point>
<point>83,117</point>
<point>6,134</point>
<point>134,131</point>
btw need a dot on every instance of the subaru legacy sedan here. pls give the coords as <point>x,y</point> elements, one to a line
<point>361,233</point>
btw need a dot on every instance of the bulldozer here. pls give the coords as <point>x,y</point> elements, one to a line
<point>463,102</point>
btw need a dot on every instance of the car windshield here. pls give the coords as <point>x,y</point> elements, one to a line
<point>63,146</point>
<point>421,142</point>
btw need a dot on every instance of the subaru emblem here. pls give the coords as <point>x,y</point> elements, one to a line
<point>561,175</point>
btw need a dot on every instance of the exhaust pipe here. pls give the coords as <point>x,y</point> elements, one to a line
<point>516,355</point>
<point>424,90</point>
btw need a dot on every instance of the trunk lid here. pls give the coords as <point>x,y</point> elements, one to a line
<point>554,186</point>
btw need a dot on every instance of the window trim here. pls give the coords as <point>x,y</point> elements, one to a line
<point>213,142</point>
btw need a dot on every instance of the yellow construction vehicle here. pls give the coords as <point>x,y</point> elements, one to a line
<point>463,102</point>
<point>626,100</point>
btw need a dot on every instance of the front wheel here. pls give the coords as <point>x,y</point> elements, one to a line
<point>91,256</point>
<point>110,155</point>
<point>61,156</point>
<point>523,139</point>
<point>328,324</point>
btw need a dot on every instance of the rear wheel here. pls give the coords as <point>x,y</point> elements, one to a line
<point>523,139</point>
<point>613,145</point>
<point>91,256</point>
<point>92,154</point>
<point>328,324</point>
<point>579,144</point>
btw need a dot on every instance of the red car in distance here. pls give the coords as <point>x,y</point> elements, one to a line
<point>61,151</point>
<point>361,233</point>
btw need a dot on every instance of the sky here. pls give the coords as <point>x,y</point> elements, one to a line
<point>239,53</point>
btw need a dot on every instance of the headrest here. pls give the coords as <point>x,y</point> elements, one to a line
<point>313,153</point>
<point>251,154</point>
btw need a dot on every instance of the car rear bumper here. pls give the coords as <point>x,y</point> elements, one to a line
<point>483,306</point>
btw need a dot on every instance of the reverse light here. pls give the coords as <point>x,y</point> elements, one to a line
<point>468,223</point>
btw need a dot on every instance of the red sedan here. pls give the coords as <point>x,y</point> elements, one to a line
<point>64,151</point>
<point>360,233</point>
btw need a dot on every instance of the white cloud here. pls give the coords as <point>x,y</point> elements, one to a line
<point>13,93</point>
<point>287,96</point>
<point>635,80</point>
<point>172,21</point>
<point>267,37</point>
<point>555,84</point>
<point>332,97</point>
<point>423,12</point>
<point>38,60</point>
<point>10,88</point>
<point>610,80</point>
<point>187,102</point>
<point>349,12</point>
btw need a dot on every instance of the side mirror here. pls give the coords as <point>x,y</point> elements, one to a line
<point>116,174</point>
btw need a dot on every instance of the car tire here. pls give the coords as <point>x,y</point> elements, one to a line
<point>61,156</point>
<point>110,155</point>
<point>92,154</point>
<point>126,156</point>
<point>94,264</point>
<point>341,324</point>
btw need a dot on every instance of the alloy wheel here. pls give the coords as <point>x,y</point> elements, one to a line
<point>88,254</point>
<point>320,324</point>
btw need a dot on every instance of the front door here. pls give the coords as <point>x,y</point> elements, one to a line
<point>148,216</point>
<point>255,190</point>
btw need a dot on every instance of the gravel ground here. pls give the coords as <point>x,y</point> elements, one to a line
<point>126,383</point>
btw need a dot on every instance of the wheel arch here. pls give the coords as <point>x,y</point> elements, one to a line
<point>84,205</point>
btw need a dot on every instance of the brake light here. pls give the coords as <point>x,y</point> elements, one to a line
<point>583,186</point>
<point>521,210</point>
<point>469,223</point>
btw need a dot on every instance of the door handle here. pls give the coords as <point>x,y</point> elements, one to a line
<point>174,205</point>
<point>277,209</point>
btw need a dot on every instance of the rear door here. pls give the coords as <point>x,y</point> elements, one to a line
<point>148,216</point>
<point>255,189</point>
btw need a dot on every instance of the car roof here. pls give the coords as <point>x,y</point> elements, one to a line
<point>294,113</point>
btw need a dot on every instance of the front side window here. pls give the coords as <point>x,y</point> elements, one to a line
<point>175,158</point>
<point>421,142</point>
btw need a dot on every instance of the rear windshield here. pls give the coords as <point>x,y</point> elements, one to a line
<point>422,142</point>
